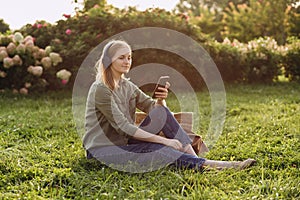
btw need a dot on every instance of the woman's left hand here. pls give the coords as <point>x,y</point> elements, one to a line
<point>162,92</point>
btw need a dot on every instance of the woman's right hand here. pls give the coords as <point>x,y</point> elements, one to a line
<point>174,143</point>
<point>142,135</point>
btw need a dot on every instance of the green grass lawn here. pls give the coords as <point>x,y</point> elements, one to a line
<point>42,155</point>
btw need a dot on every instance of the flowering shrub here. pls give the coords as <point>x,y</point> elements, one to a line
<point>25,66</point>
<point>262,58</point>
<point>227,58</point>
<point>73,37</point>
<point>259,60</point>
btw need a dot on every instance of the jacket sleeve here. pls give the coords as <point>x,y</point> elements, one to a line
<point>143,101</point>
<point>106,104</point>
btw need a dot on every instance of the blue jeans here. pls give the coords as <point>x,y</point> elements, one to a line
<point>140,156</point>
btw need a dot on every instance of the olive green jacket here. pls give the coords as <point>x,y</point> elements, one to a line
<point>110,115</point>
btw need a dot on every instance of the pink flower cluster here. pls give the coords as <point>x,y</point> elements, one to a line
<point>68,31</point>
<point>39,25</point>
<point>8,62</point>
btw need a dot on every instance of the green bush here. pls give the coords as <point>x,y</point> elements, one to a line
<point>292,59</point>
<point>3,26</point>
<point>256,61</point>
<point>228,60</point>
<point>262,60</point>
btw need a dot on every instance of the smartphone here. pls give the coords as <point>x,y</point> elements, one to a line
<point>160,83</point>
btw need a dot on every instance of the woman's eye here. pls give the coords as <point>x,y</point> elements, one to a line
<point>123,57</point>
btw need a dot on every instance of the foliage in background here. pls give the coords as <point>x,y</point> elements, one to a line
<point>208,19</point>
<point>258,60</point>
<point>240,57</point>
<point>292,59</point>
<point>294,22</point>
<point>244,20</point>
<point>259,19</point>
<point>75,36</point>
<point>3,26</point>
<point>247,23</point>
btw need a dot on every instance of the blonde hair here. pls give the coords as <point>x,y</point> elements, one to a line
<point>104,74</point>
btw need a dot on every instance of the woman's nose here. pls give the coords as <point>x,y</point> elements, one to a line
<point>127,60</point>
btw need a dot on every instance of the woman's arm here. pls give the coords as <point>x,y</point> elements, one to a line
<point>161,102</point>
<point>149,137</point>
<point>142,135</point>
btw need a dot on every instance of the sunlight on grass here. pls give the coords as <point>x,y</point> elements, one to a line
<point>42,155</point>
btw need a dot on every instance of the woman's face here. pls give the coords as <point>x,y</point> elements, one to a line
<point>121,65</point>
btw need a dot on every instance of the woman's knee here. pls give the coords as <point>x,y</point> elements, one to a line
<point>160,111</point>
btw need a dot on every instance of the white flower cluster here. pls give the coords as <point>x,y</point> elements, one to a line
<point>64,75</point>
<point>8,61</point>
<point>21,51</point>
<point>257,46</point>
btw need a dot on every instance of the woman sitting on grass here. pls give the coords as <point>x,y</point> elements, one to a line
<point>113,138</point>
